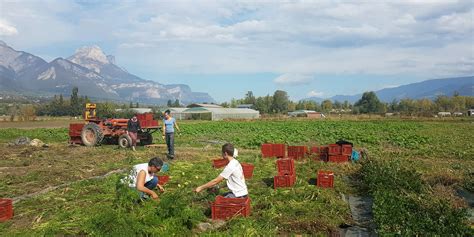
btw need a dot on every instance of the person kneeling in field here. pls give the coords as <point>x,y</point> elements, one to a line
<point>233,173</point>
<point>142,177</point>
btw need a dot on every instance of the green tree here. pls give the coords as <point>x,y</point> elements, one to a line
<point>326,105</point>
<point>250,98</point>
<point>280,102</point>
<point>176,103</point>
<point>131,105</point>
<point>369,103</point>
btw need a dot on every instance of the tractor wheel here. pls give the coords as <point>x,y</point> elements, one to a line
<point>147,139</point>
<point>91,134</point>
<point>125,141</point>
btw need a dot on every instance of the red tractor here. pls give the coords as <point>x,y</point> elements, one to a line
<point>96,131</point>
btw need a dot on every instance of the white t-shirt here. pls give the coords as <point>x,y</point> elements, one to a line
<point>132,178</point>
<point>234,175</point>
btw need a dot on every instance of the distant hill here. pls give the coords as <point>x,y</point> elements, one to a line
<point>94,73</point>
<point>425,89</point>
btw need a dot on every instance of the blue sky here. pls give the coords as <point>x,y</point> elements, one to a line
<point>226,48</point>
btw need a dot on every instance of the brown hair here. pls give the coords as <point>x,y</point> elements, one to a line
<point>228,148</point>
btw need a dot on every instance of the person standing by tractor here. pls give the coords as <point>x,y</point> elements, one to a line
<point>169,123</point>
<point>133,126</point>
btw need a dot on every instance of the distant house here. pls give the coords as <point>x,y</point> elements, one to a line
<point>470,112</point>
<point>245,106</point>
<point>457,114</point>
<point>306,113</point>
<point>444,114</point>
<point>214,114</point>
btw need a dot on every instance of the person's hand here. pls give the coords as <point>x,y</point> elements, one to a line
<point>198,189</point>
<point>154,195</point>
<point>161,188</point>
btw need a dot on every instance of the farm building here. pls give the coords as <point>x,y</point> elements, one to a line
<point>138,110</point>
<point>470,112</point>
<point>219,113</point>
<point>306,113</point>
<point>444,114</point>
<point>177,113</point>
<point>204,106</point>
<point>245,106</point>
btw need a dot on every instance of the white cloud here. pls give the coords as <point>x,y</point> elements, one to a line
<point>422,38</point>
<point>7,29</point>
<point>315,94</point>
<point>293,79</point>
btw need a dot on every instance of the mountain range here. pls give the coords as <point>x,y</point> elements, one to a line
<point>92,71</point>
<point>426,89</point>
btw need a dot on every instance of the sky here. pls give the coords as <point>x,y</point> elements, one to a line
<point>226,48</point>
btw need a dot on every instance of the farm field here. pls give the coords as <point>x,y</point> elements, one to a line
<point>413,173</point>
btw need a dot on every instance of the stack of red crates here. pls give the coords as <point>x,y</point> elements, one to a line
<point>224,208</point>
<point>248,170</point>
<point>297,152</point>
<point>320,152</point>
<point>286,173</point>
<point>339,153</point>
<point>273,150</point>
<point>325,179</point>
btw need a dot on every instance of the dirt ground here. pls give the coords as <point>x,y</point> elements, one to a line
<point>62,123</point>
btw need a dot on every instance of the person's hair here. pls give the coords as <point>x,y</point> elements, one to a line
<point>156,161</point>
<point>168,112</point>
<point>228,148</point>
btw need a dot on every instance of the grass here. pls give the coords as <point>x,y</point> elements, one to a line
<point>438,152</point>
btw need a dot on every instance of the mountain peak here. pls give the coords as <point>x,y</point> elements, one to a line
<point>93,52</point>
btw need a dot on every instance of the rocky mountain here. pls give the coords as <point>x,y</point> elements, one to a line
<point>425,89</point>
<point>92,71</point>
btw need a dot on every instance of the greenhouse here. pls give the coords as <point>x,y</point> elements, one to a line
<point>205,113</point>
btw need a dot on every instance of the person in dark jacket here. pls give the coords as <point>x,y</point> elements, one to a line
<point>133,126</point>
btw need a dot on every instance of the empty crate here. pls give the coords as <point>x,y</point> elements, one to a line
<point>267,150</point>
<point>297,152</point>
<point>224,208</point>
<point>346,150</point>
<point>325,179</point>
<point>6,209</point>
<point>248,170</point>
<point>219,163</point>
<point>279,150</point>
<point>163,179</point>
<point>284,181</point>
<point>334,149</point>
<point>286,166</point>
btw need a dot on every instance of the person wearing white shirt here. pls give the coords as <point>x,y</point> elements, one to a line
<point>233,173</point>
<point>142,177</point>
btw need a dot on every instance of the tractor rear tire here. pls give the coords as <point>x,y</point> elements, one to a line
<point>147,140</point>
<point>92,135</point>
<point>125,141</point>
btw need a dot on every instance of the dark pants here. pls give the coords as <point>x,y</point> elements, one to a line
<point>149,185</point>
<point>170,143</point>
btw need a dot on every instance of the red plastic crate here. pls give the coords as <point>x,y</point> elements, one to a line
<point>286,166</point>
<point>279,150</point>
<point>334,149</point>
<point>297,152</point>
<point>75,129</point>
<point>248,170</point>
<point>163,179</point>
<point>325,179</point>
<point>338,158</point>
<point>346,150</point>
<point>219,163</point>
<point>6,209</point>
<point>224,208</point>
<point>315,150</point>
<point>284,181</point>
<point>267,150</point>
